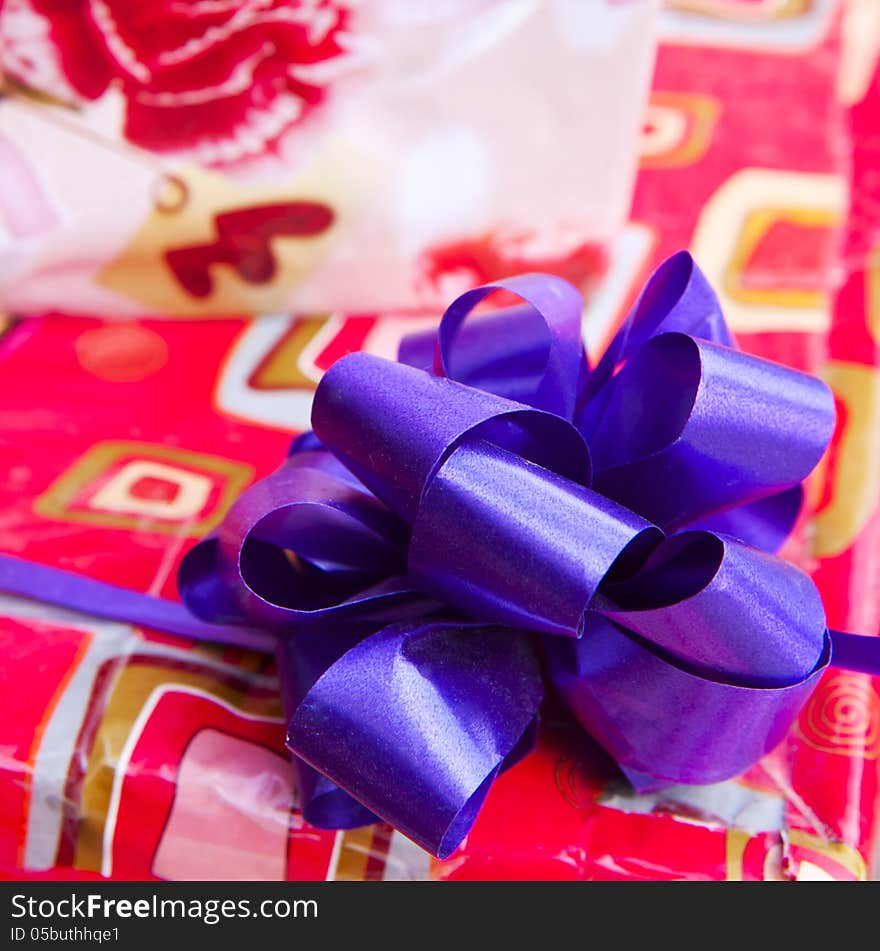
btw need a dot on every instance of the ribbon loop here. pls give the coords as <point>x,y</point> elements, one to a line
<point>300,547</point>
<point>503,539</point>
<point>765,523</point>
<point>726,610</point>
<point>708,428</point>
<point>678,299</point>
<point>416,722</point>
<point>663,723</point>
<point>543,353</point>
<point>393,425</point>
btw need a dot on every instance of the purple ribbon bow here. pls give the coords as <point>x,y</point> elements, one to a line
<point>491,514</point>
<point>491,499</point>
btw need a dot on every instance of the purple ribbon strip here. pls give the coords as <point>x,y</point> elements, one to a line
<point>490,516</point>
<point>66,589</point>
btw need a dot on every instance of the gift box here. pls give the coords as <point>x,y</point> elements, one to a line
<point>136,754</point>
<point>311,155</point>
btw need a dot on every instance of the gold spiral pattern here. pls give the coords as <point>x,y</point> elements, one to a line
<point>843,717</point>
<point>574,781</point>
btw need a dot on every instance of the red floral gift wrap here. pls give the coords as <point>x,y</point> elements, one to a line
<point>137,755</point>
<point>249,156</point>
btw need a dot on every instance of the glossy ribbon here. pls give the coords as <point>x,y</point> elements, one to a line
<point>489,499</point>
<point>491,514</point>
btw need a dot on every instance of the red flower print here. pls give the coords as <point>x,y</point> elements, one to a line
<point>223,78</point>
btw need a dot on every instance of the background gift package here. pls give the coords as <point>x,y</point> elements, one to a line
<point>248,157</point>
